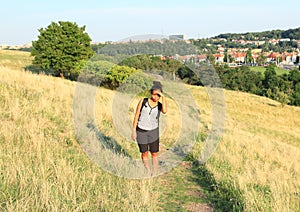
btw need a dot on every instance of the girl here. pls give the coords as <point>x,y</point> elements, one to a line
<point>145,128</point>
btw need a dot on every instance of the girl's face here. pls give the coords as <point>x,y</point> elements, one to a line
<point>155,96</point>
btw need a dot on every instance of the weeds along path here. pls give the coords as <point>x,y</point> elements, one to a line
<point>191,187</point>
<point>180,191</point>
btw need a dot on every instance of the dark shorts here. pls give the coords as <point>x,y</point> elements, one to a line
<point>148,140</point>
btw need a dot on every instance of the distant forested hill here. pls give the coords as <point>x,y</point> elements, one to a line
<point>265,35</point>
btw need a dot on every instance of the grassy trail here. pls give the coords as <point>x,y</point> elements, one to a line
<point>182,192</point>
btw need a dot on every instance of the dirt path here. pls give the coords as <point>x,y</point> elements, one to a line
<point>181,191</point>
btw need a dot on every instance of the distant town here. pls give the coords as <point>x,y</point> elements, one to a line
<point>241,51</point>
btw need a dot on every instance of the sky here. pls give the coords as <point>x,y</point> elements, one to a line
<point>114,20</point>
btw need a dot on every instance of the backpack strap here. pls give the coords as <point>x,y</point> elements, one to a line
<point>145,100</point>
<point>159,106</point>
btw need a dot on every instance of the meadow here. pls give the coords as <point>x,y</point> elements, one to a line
<point>255,167</point>
<point>279,71</point>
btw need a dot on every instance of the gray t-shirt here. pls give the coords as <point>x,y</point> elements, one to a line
<point>149,117</point>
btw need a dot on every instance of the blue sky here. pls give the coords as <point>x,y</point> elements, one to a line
<point>113,20</point>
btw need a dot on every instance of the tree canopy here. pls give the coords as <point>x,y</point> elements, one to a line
<point>290,33</point>
<point>62,49</point>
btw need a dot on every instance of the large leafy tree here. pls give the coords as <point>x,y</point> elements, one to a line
<point>62,49</point>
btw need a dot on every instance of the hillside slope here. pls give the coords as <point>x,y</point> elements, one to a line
<point>43,166</point>
<point>260,150</point>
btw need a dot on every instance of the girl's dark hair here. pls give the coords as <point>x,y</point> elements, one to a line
<point>156,86</point>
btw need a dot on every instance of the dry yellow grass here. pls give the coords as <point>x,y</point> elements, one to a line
<point>14,59</point>
<point>43,167</point>
<point>260,150</point>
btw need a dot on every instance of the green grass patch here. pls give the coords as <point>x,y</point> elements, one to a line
<point>179,189</point>
<point>193,183</point>
<point>261,69</point>
<point>223,195</point>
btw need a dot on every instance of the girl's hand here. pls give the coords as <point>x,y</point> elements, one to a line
<point>133,135</point>
<point>160,94</point>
